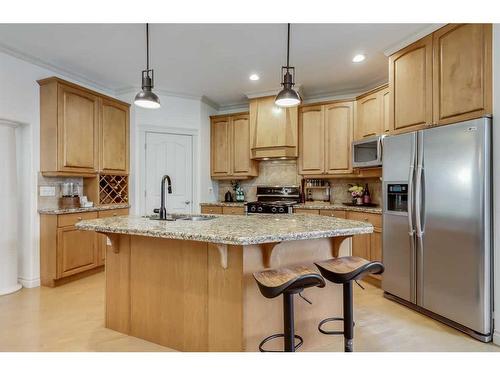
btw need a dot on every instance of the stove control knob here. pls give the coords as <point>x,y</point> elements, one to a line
<point>253,208</point>
<point>281,210</point>
<point>273,210</point>
<point>259,209</point>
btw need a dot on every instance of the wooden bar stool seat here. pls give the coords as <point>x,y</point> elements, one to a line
<point>345,270</point>
<point>288,282</point>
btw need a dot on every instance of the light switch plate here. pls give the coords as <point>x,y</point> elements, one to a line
<point>47,191</point>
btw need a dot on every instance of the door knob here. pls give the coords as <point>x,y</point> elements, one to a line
<point>187,202</point>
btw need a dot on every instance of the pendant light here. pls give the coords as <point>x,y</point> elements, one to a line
<point>288,96</point>
<point>146,98</point>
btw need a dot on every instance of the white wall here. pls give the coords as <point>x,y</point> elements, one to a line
<point>496,178</point>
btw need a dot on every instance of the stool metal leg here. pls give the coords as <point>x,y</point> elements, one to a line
<point>348,318</point>
<point>288,322</point>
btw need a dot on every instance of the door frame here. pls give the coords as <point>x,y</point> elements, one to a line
<point>142,132</point>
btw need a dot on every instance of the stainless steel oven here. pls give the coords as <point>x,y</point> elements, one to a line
<point>367,152</point>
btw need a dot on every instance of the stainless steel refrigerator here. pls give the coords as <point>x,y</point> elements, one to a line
<point>437,224</point>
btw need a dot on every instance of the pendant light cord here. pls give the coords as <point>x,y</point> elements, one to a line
<point>288,49</point>
<point>147,46</point>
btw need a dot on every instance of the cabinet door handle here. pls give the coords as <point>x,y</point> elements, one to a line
<point>369,135</point>
<point>79,218</point>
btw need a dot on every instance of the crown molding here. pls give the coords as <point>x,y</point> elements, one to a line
<point>413,38</point>
<point>233,108</point>
<point>210,102</point>
<point>11,123</point>
<point>70,75</point>
<point>260,94</point>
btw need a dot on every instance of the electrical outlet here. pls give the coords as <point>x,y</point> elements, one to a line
<point>47,191</point>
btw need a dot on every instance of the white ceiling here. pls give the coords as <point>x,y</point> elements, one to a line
<point>213,60</point>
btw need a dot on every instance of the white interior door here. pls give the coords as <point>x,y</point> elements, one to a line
<point>170,154</point>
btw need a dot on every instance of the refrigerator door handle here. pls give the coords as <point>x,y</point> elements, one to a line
<point>411,174</point>
<point>418,201</point>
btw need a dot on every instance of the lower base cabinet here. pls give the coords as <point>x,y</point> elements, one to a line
<point>223,210</point>
<point>66,252</point>
<point>368,246</point>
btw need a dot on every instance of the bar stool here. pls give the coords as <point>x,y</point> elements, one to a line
<point>287,281</point>
<point>345,270</point>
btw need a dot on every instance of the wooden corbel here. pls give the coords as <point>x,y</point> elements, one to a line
<point>114,241</point>
<point>336,243</point>
<point>222,248</point>
<point>267,252</point>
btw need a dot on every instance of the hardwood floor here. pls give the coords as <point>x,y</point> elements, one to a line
<point>71,318</point>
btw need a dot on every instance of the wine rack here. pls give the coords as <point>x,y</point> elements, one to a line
<point>113,189</point>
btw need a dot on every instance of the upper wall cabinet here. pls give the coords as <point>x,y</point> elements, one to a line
<point>114,137</point>
<point>273,130</point>
<point>410,82</point>
<point>325,134</point>
<point>442,78</point>
<point>81,132</point>
<point>230,147</point>
<point>462,72</point>
<point>372,113</point>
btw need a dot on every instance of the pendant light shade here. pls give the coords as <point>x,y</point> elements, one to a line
<point>288,96</point>
<point>146,98</point>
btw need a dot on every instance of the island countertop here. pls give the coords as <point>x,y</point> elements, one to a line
<point>232,229</point>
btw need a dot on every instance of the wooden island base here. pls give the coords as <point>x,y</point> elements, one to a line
<point>198,296</point>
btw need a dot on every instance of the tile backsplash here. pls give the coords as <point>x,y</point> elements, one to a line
<point>284,172</point>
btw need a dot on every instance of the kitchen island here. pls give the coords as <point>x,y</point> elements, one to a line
<point>188,285</point>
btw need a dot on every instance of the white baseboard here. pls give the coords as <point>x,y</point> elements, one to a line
<point>496,338</point>
<point>26,283</point>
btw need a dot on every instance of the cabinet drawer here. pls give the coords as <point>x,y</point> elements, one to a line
<point>110,213</point>
<point>334,213</point>
<point>374,219</point>
<point>306,211</point>
<point>71,219</point>
<point>233,210</point>
<point>211,210</point>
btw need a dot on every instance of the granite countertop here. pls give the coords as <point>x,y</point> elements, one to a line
<point>224,204</point>
<point>232,229</point>
<point>338,206</point>
<point>60,211</point>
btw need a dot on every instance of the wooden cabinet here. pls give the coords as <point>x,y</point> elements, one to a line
<point>114,137</point>
<point>369,120</point>
<point>368,246</point>
<point>230,147</point>
<point>215,210</point>
<point>325,134</point>
<point>410,83</point>
<point>443,78</point>
<point>77,251</point>
<point>385,100</point>
<point>312,140</point>
<point>273,129</point>
<point>81,131</point>
<point>372,113</point>
<point>233,210</point>
<point>462,73</point>
<point>102,239</point>
<point>220,149</point>
<point>338,137</point>
<point>65,251</point>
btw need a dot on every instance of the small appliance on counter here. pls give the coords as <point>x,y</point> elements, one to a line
<point>69,195</point>
<point>274,200</point>
<point>228,197</point>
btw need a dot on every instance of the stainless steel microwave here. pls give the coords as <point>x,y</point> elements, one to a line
<point>367,152</point>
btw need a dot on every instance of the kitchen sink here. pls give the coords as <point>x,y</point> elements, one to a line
<point>174,217</point>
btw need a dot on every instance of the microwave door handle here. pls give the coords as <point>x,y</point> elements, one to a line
<point>379,149</point>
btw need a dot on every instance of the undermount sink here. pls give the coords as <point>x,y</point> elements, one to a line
<point>197,218</point>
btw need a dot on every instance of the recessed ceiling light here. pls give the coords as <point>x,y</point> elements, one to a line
<point>358,58</point>
<point>254,77</point>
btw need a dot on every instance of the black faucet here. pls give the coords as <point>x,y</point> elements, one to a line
<point>162,211</point>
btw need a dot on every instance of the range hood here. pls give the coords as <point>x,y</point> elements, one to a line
<point>273,130</point>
